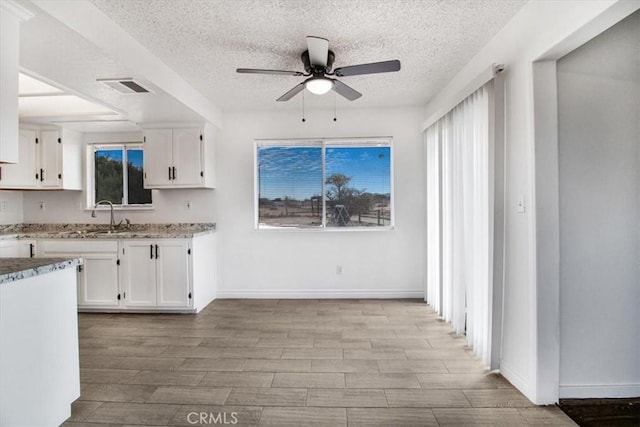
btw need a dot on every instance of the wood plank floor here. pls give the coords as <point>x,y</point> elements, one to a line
<point>290,363</point>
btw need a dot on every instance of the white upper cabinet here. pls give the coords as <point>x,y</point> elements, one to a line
<point>47,160</point>
<point>178,158</point>
<point>22,174</point>
<point>158,157</point>
<point>50,159</point>
<point>11,15</point>
<point>188,157</point>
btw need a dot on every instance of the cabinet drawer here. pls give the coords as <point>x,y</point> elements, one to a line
<point>78,246</point>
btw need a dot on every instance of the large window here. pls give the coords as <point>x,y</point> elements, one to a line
<point>324,184</point>
<point>118,175</point>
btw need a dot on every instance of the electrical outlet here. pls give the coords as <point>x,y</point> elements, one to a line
<point>4,206</point>
<point>338,269</point>
<point>43,205</point>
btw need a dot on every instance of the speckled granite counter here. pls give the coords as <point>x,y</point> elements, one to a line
<point>101,231</point>
<point>12,269</point>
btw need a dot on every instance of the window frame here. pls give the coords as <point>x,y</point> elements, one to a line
<point>324,143</point>
<point>90,176</point>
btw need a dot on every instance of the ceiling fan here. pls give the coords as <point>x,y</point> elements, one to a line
<point>318,61</point>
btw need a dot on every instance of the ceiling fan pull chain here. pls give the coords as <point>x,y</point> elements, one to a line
<point>334,107</point>
<point>303,119</point>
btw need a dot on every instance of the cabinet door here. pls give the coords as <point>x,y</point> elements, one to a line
<point>9,249</point>
<point>138,273</point>
<point>22,174</point>
<point>98,281</point>
<point>26,248</point>
<point>187,157</point>
<point>17,248</point>
<point>173,273</point>
<point>50,168</point>
<point>158,157</point>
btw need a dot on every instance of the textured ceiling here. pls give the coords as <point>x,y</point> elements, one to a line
<point>205,41</point>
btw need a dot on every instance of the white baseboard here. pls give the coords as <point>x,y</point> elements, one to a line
<point>517,380</point>
<point>333,294</point>
<point>585,391</point>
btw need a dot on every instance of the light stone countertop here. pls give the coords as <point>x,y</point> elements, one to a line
<point>12,269</point>
<point>100,231</point>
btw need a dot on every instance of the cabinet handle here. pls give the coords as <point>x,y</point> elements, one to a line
<point>174,172</point>
<point>151,251</point>
<point>156,251</point>
<point>118,297</point>
<point>169,173</point>
<point>31,251</point>
<point>41,175</point>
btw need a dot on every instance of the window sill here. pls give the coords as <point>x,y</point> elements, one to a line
<point>269,229</point>
<point>102,208</point>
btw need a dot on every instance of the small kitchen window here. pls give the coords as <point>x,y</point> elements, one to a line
<point>117,175</point>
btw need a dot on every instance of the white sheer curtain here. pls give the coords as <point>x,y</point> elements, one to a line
<point>460,219</point>
<point>434,222</point>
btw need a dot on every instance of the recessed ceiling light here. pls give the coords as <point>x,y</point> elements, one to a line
<point>40,99</point>
<point>28,85</point>
<point>58,105</point>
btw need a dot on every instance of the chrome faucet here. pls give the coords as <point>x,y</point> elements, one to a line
<point>94,214</point>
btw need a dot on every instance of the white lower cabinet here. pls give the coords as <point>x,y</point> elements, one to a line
<point>17,248</point>
<point>97,276</point>
<point>98,281</point>
<point>156,273</point>
<point>170,274</point>
<point>138,273</point>
<point>173,274</point>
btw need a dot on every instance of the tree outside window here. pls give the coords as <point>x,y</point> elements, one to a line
<point>119,175</point>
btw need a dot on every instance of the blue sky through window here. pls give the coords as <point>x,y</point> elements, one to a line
<point>113,154</point>
<point>368,167</point>
<point>296,172</point>
<point>134,156</point>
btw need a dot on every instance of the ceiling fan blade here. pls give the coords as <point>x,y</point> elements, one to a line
<point>373,68</point>
<point>274,72</point>
<point>318,51</point>
<point>347,91</point>
<point>293,92</point>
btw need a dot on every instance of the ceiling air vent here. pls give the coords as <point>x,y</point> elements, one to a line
<point>125,85</point>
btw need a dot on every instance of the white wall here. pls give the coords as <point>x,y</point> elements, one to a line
<point>272,263</point>
<point>599,163</point>
<point>538,30</point>
<point>10,207</point>
<point>169,206</point>
<point>70,207</point>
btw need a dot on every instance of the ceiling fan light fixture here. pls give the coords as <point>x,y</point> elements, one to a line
<point>319,85</point>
